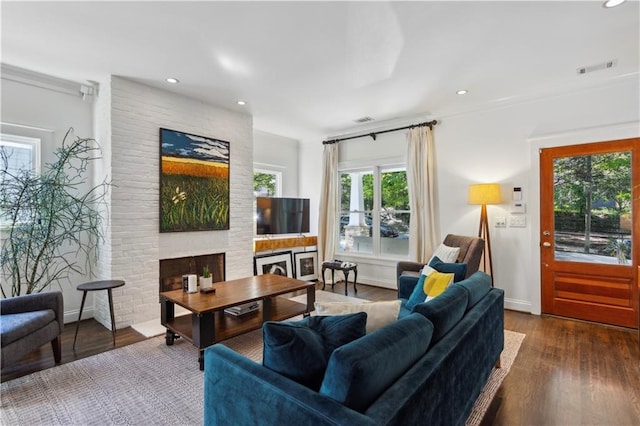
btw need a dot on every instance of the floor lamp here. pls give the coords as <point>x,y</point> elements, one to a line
<point>483,194</point>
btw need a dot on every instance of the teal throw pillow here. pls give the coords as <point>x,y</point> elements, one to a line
<point>300,350</point>
<point>418,295</point>
<point>459,270</point>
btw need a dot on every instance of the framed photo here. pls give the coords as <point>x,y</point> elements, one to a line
<point>306,263</point>
<point>276,263</point>
<point>194,182</point>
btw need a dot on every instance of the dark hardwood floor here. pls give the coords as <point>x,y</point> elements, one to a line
<point>566,373</point>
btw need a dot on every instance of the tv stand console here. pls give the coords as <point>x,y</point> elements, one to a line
<point>264,244</point>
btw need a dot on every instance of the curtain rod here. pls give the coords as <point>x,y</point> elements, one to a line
<point>374,134</point>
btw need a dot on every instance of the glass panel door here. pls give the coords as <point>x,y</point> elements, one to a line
<point>592,208</point>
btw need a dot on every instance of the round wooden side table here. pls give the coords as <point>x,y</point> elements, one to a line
<point>95,286</point>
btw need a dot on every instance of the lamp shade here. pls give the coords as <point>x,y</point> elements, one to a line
<point>485,193</point>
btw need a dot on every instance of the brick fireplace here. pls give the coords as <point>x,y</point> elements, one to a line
<point>129,116</point>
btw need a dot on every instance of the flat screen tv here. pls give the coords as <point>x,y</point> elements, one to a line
<point>282,215</point>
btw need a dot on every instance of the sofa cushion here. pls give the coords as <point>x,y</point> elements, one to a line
<point>444,311</point>
<point>300,350</point>
<point>477,286</point>
<point>16,326</point>
<point>379,314</point>
<point>360,371</point>
<point>458,269</point>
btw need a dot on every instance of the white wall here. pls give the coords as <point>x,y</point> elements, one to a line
<point>495,145</point>
<point>47,111</point>
<point>279,154</point>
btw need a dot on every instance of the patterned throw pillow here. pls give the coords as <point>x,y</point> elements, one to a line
<point>436,283</point>
<point>446,254</point>
<point>418,295</point>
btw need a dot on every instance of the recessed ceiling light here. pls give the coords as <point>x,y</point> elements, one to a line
<point>612,3</point>
<point>173,80</point>
<point>242,103</point>
<point>461,92</point>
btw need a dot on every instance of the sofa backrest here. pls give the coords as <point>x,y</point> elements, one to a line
<point>360,371</point>
<point>445,311</point>
<point>476,286</point>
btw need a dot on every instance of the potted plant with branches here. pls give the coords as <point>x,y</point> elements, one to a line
<point>52,224</point>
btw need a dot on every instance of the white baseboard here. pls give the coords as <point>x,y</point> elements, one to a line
<point>72,316</point>
<point>518,305</point>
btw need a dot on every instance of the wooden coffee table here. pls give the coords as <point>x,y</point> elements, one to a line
<point>208,324</point>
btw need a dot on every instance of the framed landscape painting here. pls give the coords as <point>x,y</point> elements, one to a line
<point>276,263</point>
<point>194,182</point>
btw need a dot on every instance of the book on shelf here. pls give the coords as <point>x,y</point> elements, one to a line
<point>245,308</point>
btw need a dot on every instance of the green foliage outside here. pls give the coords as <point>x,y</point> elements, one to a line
<point>580,182</point>
<point>191,203</point>
<point>592,195</point>
<point>395,197</point>
<point>264,181</point>
<point>395,193</point>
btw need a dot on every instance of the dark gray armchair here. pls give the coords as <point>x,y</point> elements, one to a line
<point>471,249</point>
<point>28,322</point>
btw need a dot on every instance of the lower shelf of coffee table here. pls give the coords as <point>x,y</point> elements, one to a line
<point>227,326</point>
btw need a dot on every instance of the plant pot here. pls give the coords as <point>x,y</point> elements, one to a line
<point>205,282</point>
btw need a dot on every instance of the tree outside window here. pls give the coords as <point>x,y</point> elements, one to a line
<point>266,183</point>
<point>374,212</point>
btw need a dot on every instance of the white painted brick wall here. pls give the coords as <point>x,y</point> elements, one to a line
<point>137,113</point>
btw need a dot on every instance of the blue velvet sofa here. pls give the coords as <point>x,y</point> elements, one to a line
<point>427,368</point>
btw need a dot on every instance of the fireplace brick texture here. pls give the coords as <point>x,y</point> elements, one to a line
<point>130,116</point>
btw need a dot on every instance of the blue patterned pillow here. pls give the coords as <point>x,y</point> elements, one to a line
<point>300,350</point>
<point>458,269</point>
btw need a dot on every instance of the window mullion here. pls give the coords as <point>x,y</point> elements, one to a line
<point>377,203</point>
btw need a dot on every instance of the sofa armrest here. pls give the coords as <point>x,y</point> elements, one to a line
<point>408,266</point>
<point>242,390</point>
<point>35,302</point>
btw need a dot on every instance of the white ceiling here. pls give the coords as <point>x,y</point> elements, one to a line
<point>308,69</point>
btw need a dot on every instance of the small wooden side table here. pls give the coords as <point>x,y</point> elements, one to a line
<point>94,286</point>
<point>345,267</point>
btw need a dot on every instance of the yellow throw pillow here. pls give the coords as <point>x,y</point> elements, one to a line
<point>436,283</point>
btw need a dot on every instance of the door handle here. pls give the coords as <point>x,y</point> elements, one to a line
<point>546,244</point>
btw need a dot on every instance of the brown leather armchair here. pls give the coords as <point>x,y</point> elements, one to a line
<point>471,249</point>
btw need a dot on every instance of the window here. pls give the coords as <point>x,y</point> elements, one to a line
<point>374,212</point>
<point>18,154</point>
<point>267,183</point>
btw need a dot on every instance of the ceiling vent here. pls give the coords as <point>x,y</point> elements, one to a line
<point>363,120</point>
<point>603,66</point>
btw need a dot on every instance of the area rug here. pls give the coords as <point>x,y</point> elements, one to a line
<point>150,383</point>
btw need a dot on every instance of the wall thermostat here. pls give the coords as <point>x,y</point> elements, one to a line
<point>517,193</point>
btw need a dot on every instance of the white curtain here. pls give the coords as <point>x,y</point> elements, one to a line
<point>327,226</point>
<point>421,184</point>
